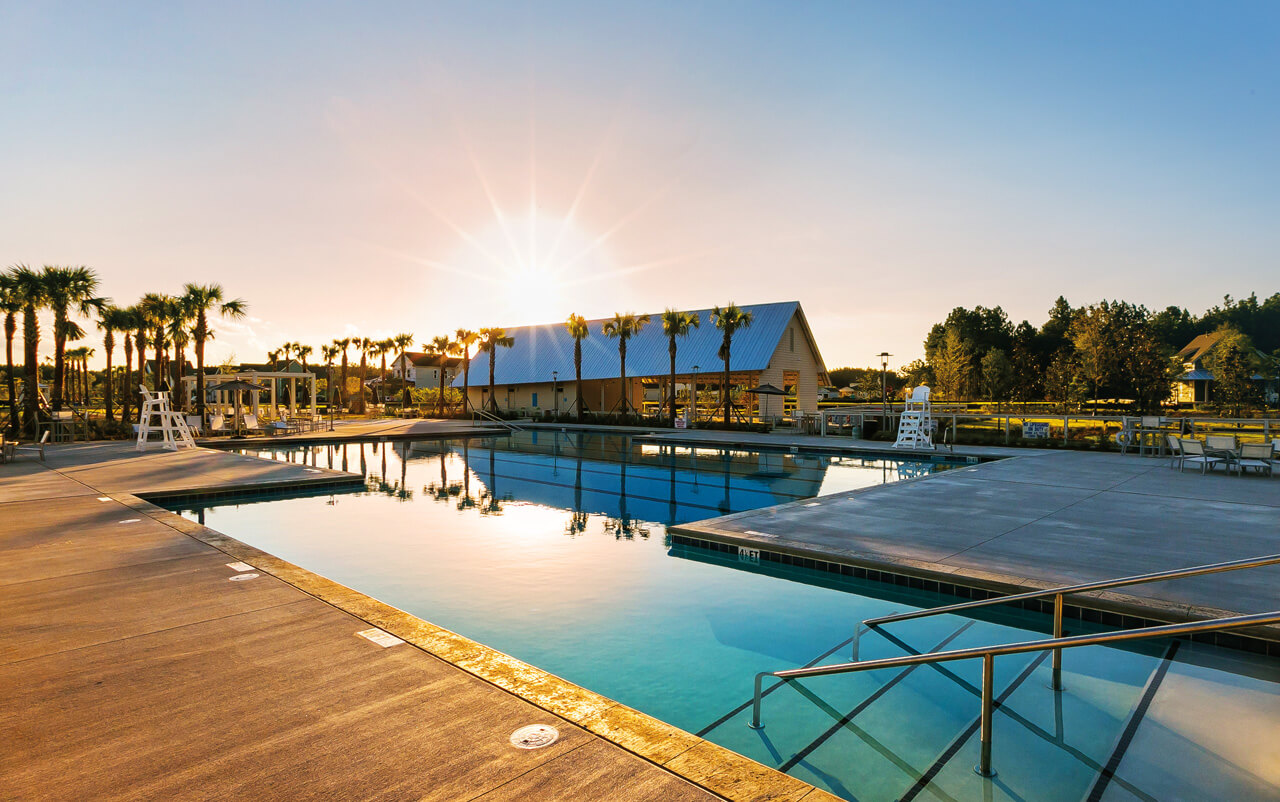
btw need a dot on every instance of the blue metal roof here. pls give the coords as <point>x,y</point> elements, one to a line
<point>1196,376</point>
<point>539,350</point>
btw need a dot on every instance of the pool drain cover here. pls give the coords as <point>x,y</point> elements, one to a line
<point>242,577</point>
<point>534,736</point>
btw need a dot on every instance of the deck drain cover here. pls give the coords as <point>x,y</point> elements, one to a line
<point>241,577</point>
<point>534,736</point>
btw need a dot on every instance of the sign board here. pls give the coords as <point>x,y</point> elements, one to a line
<point>1035,429</point>
<point>682,423</point>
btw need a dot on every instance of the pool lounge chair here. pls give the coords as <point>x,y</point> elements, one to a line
<point>218,425</point>
<point>1175,450</point>
<point>251,424</point>
<point>1256,456</point>
<point>1193,452</point>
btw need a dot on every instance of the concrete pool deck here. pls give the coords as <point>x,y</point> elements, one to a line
<point>137,662</point>
<point>1044,519</point>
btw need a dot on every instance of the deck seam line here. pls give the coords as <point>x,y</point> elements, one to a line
<point>153,632</point>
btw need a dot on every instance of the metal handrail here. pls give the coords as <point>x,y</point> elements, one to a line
<point>988,654</point>
<point>489,416</point>
<point>1058,593</point>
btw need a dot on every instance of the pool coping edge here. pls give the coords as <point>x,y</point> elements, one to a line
<point>707,765</point>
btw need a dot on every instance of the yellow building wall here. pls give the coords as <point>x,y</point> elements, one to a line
<point>794,353</point>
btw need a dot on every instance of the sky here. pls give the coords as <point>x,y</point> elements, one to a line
<point>361,169</point>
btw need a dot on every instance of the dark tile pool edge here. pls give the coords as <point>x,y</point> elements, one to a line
<point>1106,608</point>
<point>916,455</point>
<point>713,768</point>
<point>278,488</point>
<point>285,441</point>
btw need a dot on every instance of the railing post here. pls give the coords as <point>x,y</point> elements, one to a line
<point>755,705</point>
<point>984,758</point>
<point>1056,682</point>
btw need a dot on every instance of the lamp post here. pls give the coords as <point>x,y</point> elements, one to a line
<point>884,388</point>
<point>555,392</point>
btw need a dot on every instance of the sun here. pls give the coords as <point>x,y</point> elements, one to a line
<point>534,262</point>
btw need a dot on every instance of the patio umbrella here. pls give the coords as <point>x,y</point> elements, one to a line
<point>237,386</point>
<point>766,390</point>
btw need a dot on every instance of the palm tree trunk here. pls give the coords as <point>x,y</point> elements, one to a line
<point>493,396</point>
<point>128,377</point>
<point>466,380</point>
<point>10,328</point>
<point>622,363</point>
<point>180,356</point>
<point>440,400</point>
<point>577,372</point>
<point>724,388</point>
<point>59,358</point>
<point>342,388</point>
<point>31,368</point>
<point>671,386</point>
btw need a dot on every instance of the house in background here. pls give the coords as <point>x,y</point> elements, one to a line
<point>1195,385</point>
<point>536,375</point>
<point>423,370</point>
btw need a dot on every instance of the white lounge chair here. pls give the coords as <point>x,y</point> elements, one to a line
<point>1257,456</point>
<point>218,424</point>
<point>251,423</point>
<point>1175,450</point>
<point>11,448</point>
<point>1193,452</point>
<point>193,423</point>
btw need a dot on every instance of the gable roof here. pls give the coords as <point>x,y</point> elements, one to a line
<point>421,359</point>
<point>1197,348</point>
<point>539,350</point>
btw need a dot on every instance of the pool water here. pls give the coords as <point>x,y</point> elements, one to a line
<point>552,547</point>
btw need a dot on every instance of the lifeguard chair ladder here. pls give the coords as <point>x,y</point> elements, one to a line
<point>156,416</point>
<point>915,427</point>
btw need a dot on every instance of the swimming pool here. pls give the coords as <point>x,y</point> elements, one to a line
<point>552,547</point>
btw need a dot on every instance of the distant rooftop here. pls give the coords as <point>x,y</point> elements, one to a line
<point>539,350</point>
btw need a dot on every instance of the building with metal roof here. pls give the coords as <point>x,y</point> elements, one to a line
<point>536,375</point>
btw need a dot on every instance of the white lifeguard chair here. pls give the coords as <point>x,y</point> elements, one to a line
<point>156,416</point>
<point>915,427</point>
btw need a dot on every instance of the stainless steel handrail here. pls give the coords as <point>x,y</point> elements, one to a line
<point>988,654</point>
<point>1058,593</point>
<point>489,416</point>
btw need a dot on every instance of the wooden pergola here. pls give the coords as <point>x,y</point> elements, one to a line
<point>223,402</point>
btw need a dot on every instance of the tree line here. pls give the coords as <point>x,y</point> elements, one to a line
<point>1112,350</point>
<point>161,322</point>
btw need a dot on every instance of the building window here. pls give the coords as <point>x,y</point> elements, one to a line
<point>792,332</point>
<point>535,400</point>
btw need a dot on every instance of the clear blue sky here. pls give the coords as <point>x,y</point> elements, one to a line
<point>378,167</point>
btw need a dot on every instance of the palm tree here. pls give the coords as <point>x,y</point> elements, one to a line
<point>140,343</point>
<point>112,320</point>
<point>273,357</point>
<point>342,346</point>
<point>67,289</point>
<point>303,351</point>
<point>366,347</point>
<point>129,323</point>
<point>623,328</point>
<point>400,342</point>
<point>384,347</point>
<point>577,327</point>
<point>31,292</point>
<point>676,324</point>
<point>181,314</point>
<point>728,320</point>
<point>10,305</point>
<point>152,309</point>
<point>465,338</point>
<point>491,339</point>
<point>201,299</point>
<point>329,352</point>
<point>441,347</point>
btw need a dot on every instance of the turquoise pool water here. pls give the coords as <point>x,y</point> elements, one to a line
<point>552,547</point>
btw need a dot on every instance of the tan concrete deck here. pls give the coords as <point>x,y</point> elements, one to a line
<point>1044,519</point>
<point>133,666</point>
<point>365,429</point>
